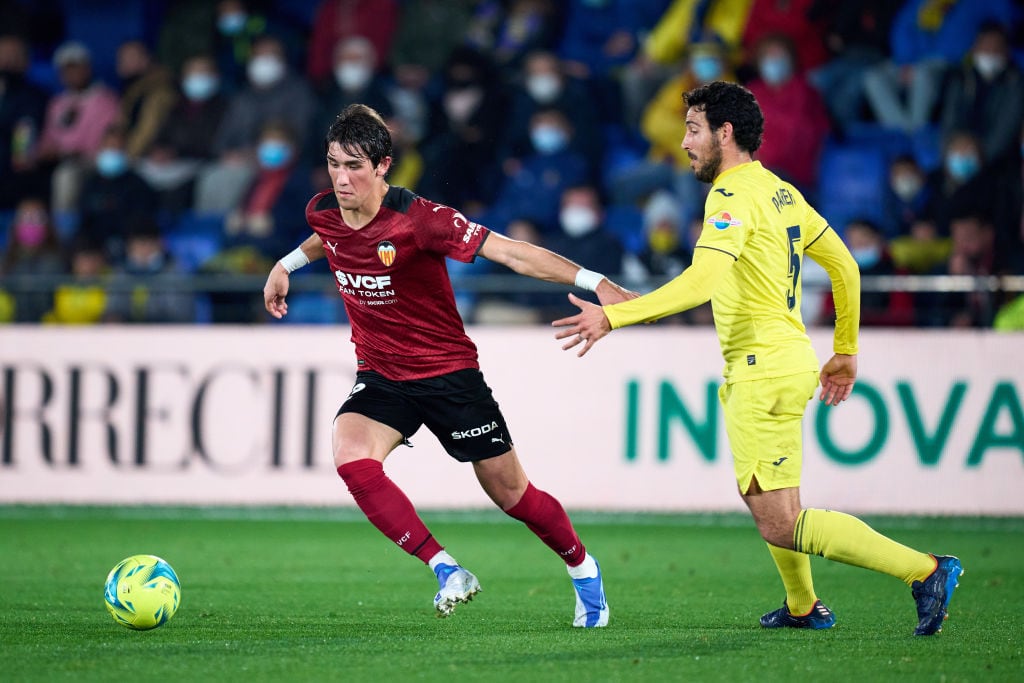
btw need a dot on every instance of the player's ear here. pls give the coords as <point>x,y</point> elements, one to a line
<point>383,167</point>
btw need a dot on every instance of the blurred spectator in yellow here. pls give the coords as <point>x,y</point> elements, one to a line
<point>665,46</point>
<point>667,164</point>
<point>83,301</point>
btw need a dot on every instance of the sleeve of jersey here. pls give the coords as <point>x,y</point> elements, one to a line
<point>690,289</point>
<point>446,231</point>
<point>830,252</point>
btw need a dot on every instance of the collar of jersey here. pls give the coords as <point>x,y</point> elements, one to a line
<point>735,168</point>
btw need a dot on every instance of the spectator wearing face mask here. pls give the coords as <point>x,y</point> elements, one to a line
<point>336,20</point>
<point>185,142</point>
<point>236,29</point>
<point>906,197</point>
<point>274,93</point>
<point>795,120</point>
<point>355,78</point>
<point>927,37</point>
<point>869,249</point>
<point>269,219</point>
<point>270,216</point>
<point>112,193</point>
<point>583,238</point>
<point>544,84</point>
<point>535,187</point>
<point>33,249</point>
<point>667,165</point>
<point>664,253</point>
<point>963,184</point>
<point>986,95</point>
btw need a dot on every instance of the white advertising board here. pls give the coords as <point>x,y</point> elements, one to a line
<point>242,415</point>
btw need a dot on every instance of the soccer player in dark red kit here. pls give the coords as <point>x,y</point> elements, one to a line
<point>415,364</point>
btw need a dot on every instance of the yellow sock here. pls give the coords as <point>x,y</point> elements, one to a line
<point>843,538</point>
<point>795,570</point>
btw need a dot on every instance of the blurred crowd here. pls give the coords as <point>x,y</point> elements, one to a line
<point>144,141</point>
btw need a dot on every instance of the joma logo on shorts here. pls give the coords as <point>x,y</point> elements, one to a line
<point>475,431</point>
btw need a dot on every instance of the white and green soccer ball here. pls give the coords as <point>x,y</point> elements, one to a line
<point>142,592</point>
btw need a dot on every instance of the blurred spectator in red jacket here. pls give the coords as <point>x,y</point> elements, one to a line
<point>795,119</point>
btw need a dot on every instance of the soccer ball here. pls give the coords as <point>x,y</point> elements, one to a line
<point>142,592</point>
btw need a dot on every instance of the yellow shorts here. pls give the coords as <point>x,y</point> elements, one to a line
<point>763,419</point>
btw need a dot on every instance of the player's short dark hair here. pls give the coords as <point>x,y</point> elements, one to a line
<point>721,101</point>
<point>361,132</point>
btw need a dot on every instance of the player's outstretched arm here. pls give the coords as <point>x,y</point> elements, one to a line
<point>539,263</point>
<point>838,376</point>
<point>276,288</point>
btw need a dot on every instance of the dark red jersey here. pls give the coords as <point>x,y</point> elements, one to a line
<point>392,276</point>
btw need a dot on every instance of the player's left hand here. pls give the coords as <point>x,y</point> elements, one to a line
<point>589,325</point>
<point>838,376</point>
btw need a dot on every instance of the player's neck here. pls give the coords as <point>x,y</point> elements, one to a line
<point>731,158</point>
<point>361,216</point>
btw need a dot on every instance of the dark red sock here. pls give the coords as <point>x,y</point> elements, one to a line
<point>546,517</point>
<point>388,508</point>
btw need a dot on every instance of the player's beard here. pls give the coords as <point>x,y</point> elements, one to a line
<point>708,171</point>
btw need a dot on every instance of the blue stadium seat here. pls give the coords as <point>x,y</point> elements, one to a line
<point>103,25</point>
<point>314,308</point>
<point>191,251</point>
<point>851,185</point>
<point>627,223</point>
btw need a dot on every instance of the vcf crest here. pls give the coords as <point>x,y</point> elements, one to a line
<point>386,252</point>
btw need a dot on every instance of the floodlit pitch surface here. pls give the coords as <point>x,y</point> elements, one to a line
<point>318,594</point>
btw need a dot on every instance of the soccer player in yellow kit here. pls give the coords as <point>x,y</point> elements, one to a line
<point>747,261</point>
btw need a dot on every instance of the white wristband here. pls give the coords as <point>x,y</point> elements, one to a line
<point>588,279</point>
<point>294,260</point>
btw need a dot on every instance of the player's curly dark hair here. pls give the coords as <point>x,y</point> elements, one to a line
<point>361,132</point>
<point>721,101</point>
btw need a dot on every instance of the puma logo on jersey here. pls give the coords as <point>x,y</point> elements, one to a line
<point>333,247</point>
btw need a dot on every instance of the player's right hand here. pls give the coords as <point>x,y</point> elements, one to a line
<point>275,291</point>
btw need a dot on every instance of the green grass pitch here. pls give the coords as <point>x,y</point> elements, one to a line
<point>319,595</point>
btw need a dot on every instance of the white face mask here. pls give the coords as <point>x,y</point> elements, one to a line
<point>265,70</point>
<point>578,221</point>
<point>988,64</point>
<point>544,88</point>
<point>352,75</point>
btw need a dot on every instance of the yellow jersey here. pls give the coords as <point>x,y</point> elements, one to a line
<point>762,225</point>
